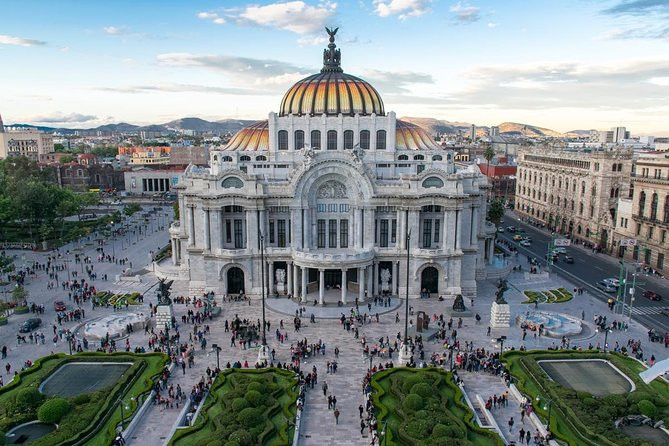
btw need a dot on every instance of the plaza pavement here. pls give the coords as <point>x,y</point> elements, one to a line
<point>319,426</point>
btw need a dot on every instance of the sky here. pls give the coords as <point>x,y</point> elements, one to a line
<point>559,64</point>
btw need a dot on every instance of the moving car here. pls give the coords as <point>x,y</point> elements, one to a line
<point>511,228</point>
<point>612,281</point>
<point>526,243</point>
<point>517,237</point>
<point>568,259</point>
<point>606,287</point>
<point>652,295</point>
<point>560,250</point>
<point>30,325</point>
<point>500,229</point>
<point>59,305</point>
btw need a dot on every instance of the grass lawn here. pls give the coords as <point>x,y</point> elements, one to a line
<point>424,407</point>
<point>90,418</point>
<point>579,417</point>
<point>245,407</point>
<point>555,296</point>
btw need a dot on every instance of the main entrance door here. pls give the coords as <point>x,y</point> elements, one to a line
<point>235,280</point>
<point>429,280</point>
<point>332,278</point>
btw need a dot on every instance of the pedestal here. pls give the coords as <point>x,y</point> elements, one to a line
<point>405,355</point>
<point>164,315</point>
<point>280,289</point>
<point>500,315</point>
<point>263,354</point>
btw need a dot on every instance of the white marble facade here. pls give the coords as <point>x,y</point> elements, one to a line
<point>333,217</point>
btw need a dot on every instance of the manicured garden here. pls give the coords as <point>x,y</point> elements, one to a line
<point>85,418</point>
<point>244,408</point>
<point>556,296</point>
<point>424,407</point>
<point>581,418</point>
<point>103,298</point>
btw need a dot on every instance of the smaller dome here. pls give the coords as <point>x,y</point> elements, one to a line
<point>409,136</point>
<point>254,137</point>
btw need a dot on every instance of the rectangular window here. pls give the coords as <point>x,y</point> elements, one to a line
<point>650,233</point>
<point>393,231</point>
<point>281,233</point>
<point>271,231</point>
<point>343,233</point>
<point>638,228</point>
<point>436,230</point>
<point>664,236</point>
<point>332,233</point>
<point>321,233</point>
<point>647,255</point>
<point>660,261</point>
<point>228,232</point>
<point>343,208</point>
<point>427,233</point>
<point>592,211</point>
<point>239,234</point>
<point>635,252</point>
<point>321,208</point>
<point>384,233</point>
<point>376,231</point>
<point>332,139</point>
<point>332,208</point>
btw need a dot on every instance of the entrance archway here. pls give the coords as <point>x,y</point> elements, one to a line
<point>429,280</point>
<point>235,278</point>
<point>604,240</point>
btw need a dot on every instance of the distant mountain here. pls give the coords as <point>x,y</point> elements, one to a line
<point>438,126</point>
<point>122,127</point>
<point>200,125</point>
<point>579,133</point>
<point>517,129</point>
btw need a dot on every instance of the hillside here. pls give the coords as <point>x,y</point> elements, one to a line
<point>517,129</point>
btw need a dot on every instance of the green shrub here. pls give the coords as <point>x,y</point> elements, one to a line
<point>411,381</point>
<point>241,437</point>
<point>412,403</point>
<point>638,395</point>
<point>53,410</point>
<point>250,417</point>
<point>239,404</point>
<point>422,389</point>
<point>254,397</point>
<point>257,386</point>
<point>28,398</point>
<point>82,398</point>
<point>648,409</point>
<point>20,310</point>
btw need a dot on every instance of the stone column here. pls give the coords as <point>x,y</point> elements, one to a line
<point>263,225</point>
<point>473,237</point>
<point>207,231</point>
<point>270,277</point>
<point>251,230</point>
<point>296,285</point>
<point>289,277</point>
<point>394,278</point>
<point>375,279</point>
<point>296,230</point>
<point>458,228</point>
<point>191,226</point>
<point>174,251</point>
<point>370,280</point>
<point>305,274</point>
<point>402,222</point>
<point>321,286</point>
<point>305,229</point>
<point>343,285</point>
<point>369,230</point>
<point>358,228</point>
<point>361,284</point>
<point>444,238</point>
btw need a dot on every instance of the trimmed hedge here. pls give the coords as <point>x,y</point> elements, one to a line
<point>53,410</point>
<point>21,310</point>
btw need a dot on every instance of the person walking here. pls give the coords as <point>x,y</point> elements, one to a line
<point>511,422</point>
<point>336,415</point>
<point>521,435</point>
<point>325,388</point>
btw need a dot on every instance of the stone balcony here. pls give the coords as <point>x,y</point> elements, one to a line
<point>334,260</point>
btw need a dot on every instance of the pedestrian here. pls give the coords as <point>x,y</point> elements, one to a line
<point>336,415</point>
<point>521,435</point>
<point>528,437</point>
<point>511,424</point>
<point>329,402</point>
<point>325,388</point>
<point>361,410</point>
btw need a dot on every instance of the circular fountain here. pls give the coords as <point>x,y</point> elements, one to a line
<point>27,432</point>
<point>553,324</point>
<point>115,326</point>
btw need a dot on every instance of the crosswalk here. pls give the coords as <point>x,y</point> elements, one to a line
<point>647,311</point>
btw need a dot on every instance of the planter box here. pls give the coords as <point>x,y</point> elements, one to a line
<point>20,310</point>
<point>3,321</point>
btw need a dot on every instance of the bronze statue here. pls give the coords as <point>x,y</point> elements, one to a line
<point>501,288</point>
<point>164,292</point>
<point>331,54</point>
<point>459,303</point>
<point>331,33</point>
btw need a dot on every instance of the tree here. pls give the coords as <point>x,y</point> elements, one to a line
<point>488,154</point>
<point>105,151</point>
<point>131,209</point>
<point>67,159</point>
<point>496,210</point>
<point>20,294</point>
<point>57,147</point>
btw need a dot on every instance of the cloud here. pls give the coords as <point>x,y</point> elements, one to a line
<point>295,16</point>
<point>245,69</point>
<point>59,117</point>
<point>641,32</point>
<point>19,41</point>
<point>114,30</point>
<point>638,7</point>
<point>465,13</point>
<point>185,88</point>
<point>492,25</point>
<point>311,40</point>
<point>393,82</point>
<point>211,16</point>
<point>403,9</point>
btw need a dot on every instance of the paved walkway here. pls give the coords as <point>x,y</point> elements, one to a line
<point>331,311</point>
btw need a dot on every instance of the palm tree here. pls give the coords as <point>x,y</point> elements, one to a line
<point>488,154</point>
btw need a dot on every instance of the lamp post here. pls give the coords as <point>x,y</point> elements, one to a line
<point>405,356</point>
<point>122,403</point>
<point>263,354</point>
<point>113,241</point>
<point>218,349</point>
<point>384,432</point>
<point>548,407</point>
<point>501,340</point>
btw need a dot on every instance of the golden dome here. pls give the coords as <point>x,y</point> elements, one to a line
<point>253,137</point>
<point>409,136</point>
<point>331,91</point>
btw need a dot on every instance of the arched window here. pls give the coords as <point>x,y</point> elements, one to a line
<point>299,139</point>
<point>283,140</point>
<point>244,158</point>
<point>332,140</point>
<point>261,158</point>
<point>433,182</point>
<point>227,159</point>
<point>364,139</point>
<point>580,209</point>
<point>402,158</point>
<point>348,139</point>
<point>583,188</point>
<point>578,229</point>
<point>612,192</point>
<point>380,140</point>
<point>573,187</point>
<point>620,167</point>
<point>230,182</point>
<point>436,158</point>
<point>653,207</point>
<point>418,157</point>
<point>617,193</point>
<point>316,139</point>
<point>666,209</point>
<point>631,193</point>
<point>642,203</point>
<point>615,167</point>
<point>594,190</point>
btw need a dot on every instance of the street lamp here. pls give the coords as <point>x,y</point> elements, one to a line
<point>113,241</point>
<point>548,407</point>
<point>384,432</point>
<point>218,349</point>
<point>263,354</point>
<point>404,350</point>
<point>501,340</point>
<point>123,404</point>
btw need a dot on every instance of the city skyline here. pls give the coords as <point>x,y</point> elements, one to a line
<point>561,65</point>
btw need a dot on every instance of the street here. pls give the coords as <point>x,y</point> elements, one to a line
<point>589,268</point>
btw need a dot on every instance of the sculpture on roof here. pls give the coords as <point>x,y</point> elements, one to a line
<point>331,55</point>
<point>308,154</point>
<point>357,153</point>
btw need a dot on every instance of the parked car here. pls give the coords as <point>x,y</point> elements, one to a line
<point>560,250</point>
<point>606,287</point>
<point>527,237</point>
<point>511,228</point>
<point>517,237</point>
<point>652,295</point>
<point>568,259</point>
<point>30,325</point>
<point>526,243</point>
<point>500,229</point>
<point>59,305</point>
<point>612,281</point>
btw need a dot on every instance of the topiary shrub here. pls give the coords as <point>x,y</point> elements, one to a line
<point>422,389</point>
<point>82,398</point>
<point>638,395</point>
<point>241,437</point>
<point>257,386</point>
<point>250,417</point>
<point>648,409</point>
<point>239,404</point>
<point>410,382</point>
<point>53,410</point>
<point>28,398</point>
<point>412,403</point>
<point>254,397</point>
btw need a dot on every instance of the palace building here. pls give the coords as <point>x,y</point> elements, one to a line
<point>325,192</point>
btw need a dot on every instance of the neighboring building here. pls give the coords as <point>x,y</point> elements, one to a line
<point>185,155</point>
<point>332,183</point>
<point>494,131</point>
<point>644,216</point>
<point>87,177</point>
<point>140,155</point>
<point>27,142</point>
<point>575,191</point>
<point>613,136</point>
<point>149,180</point>
<point>502,178</point>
